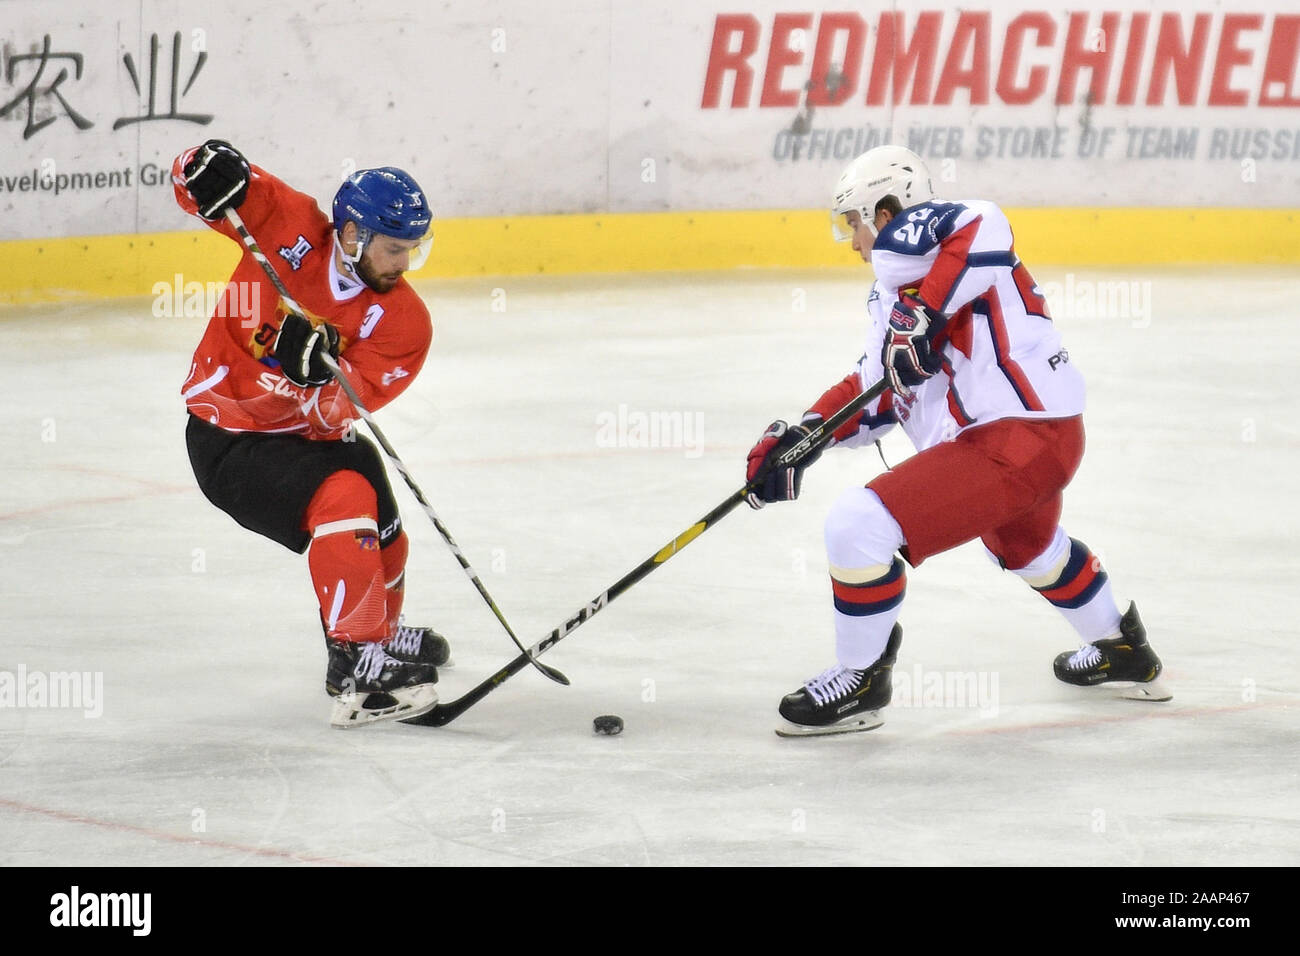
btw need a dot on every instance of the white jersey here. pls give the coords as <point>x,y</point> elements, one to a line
<point>1002,356</point>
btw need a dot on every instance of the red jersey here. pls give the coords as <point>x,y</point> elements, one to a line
<point>236,384</point>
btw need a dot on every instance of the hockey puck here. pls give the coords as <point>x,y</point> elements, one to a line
<point>608,724</point>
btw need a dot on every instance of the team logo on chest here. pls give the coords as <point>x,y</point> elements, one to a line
<point>293,254</point>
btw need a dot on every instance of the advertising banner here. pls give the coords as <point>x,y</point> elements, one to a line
<point>509,108</point>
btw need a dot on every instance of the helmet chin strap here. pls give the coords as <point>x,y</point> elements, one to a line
<point>363,236</point>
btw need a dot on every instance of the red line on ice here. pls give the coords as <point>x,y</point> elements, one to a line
<point>67,817</point>
<point>76,502</point>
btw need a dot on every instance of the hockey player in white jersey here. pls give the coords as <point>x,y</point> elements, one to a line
<point>982,385</point>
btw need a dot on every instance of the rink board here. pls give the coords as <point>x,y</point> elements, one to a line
<point>48,270</point>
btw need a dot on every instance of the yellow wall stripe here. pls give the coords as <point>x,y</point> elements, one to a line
<point>47,270</point>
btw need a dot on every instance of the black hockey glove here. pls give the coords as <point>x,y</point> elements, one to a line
<point>217,177</point>
<point>907,355</point>
<point>781,483</point>
<point>299,348</point>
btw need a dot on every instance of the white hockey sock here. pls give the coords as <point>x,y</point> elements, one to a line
<point>867,580</point>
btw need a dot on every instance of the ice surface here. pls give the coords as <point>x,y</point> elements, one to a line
<point>213,746</point>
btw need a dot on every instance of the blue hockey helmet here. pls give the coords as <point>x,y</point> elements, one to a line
<point>386,201</point>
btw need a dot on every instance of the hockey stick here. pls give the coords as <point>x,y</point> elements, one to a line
<point>355,399</point>
<point>443,714</point>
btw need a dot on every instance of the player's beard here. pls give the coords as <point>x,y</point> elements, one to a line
<point>380,283</point>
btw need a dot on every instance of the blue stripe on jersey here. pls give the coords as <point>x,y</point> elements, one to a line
<point>879,420</point>
<point>980,307</point>
<point>976,259</point>
<point>966,418</point>
<point>952,290</point>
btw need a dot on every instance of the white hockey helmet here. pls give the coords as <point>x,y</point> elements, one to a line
<point>877,173</point>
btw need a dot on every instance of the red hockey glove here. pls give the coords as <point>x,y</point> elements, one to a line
<point>780,483</point>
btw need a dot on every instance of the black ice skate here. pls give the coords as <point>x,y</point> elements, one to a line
<point>842,700</point>
<point>419,645</point>
<point>1125,658</point>
<point>369,685</point>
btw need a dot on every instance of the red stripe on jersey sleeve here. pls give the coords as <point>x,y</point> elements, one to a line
<point>1035,304</point>
<point>959,331</point>
<point>956,411</point>
<point>835,398</point>
<point>949,265</point>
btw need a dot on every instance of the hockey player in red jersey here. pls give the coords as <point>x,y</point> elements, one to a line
<point>981,383</point>
<point>270,432</point>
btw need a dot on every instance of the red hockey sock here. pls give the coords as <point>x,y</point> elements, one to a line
<point>394,561</point>
<point>347,569</point>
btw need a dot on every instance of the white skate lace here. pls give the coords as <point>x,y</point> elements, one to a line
<point>1084,657</point>
<point>407,639</point>
<point>835,682</point>
<point>371,661</point>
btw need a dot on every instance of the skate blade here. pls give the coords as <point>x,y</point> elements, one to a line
<point>868,720</point>
<point>1154,691</point>
<point>350,710</point>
